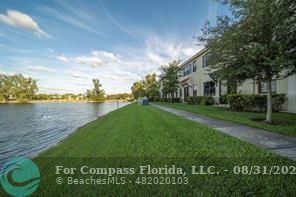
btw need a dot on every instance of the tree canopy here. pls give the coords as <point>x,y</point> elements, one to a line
<point>97,93</point>
<point>17,87</point>
<point>169,78</point>
<point>146,87</point>
<point>256,42</point>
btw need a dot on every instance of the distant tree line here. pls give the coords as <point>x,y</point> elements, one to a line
<point>120,96</point>
<point>24,89</point>
<point>67,96</point>
<point>17,87</point>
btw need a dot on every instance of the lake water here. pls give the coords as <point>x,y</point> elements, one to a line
<point>28,129</point>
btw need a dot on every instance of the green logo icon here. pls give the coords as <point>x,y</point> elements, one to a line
<point>20,177</point>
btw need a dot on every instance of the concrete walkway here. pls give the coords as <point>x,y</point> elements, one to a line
<point>276,143</point>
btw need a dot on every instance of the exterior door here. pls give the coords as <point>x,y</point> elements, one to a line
<point>186,93</point>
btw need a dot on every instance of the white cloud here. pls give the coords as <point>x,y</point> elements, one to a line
<point>104,55</point>
<point>79,74</point>
<point>23,21</point>
<point>50,50</point>
<point>63,58</point>
<point>41,69</point>
<point>98,58</point>
<point>71,19</point>
<point>118,72</point>
<point>161,51</point>
<point>88,60</point>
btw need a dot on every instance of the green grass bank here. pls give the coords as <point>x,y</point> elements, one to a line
<point>285,123</point>
<point>133,136</point>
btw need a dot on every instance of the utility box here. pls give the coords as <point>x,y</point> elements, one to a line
<point>143,101</point>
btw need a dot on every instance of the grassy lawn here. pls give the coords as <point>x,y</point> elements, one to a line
<point>134,136</point>
<point>285,123</point>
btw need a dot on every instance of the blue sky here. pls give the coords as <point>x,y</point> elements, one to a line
<point>65,44</point>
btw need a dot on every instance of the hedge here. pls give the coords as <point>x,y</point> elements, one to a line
<point>223,99</point>
<point>200,100</point>
<point>175,100</point>
<point>254,102</point>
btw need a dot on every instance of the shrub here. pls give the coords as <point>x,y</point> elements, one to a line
<point>190,100</point>
<point>200,100</point>
<point>164,100</point>
<point>156,99</point>
<point>223,99</point>
<point>236,102</point>
<point>277,101</point>
<point>176,100</point>
<point>194,100</point>
<point>160,100</point>
<point>207,100</point>
<point>254,102</point>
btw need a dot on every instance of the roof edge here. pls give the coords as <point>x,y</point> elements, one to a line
<point>199,53</point>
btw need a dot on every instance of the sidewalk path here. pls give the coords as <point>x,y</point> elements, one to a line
<point>276,143</point>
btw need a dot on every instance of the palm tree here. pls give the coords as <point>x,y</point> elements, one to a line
<point>169,78</point>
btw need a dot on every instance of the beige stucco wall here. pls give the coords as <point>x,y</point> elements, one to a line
<point>291,81</point>
<point>282,86</point>
<point>286,86</point>
<point>198,78</point>
<point>246,87</point>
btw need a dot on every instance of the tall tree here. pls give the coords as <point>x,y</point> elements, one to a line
<point>151,86</point>
<point>146,87</point>
<point>169,78</point>
<point>256,42</point>
<point>138,89</point>
<point>26,88</point>
<point>97,93</point>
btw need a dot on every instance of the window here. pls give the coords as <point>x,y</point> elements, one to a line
<point>209,88</point>
<point>194,90</point>
<point>262,87</point>
<point>194,66</point>
<point>180,92</point>
<point>187,70</point>
<point>181,73</point>
<point>205,60</point>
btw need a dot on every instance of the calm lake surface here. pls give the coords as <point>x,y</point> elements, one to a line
<point>28,129</point>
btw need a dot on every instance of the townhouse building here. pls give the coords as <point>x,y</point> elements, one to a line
<point>195,80</point>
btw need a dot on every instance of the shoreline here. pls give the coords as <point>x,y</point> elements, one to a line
<point>63,101</point>
<point>75,131</point>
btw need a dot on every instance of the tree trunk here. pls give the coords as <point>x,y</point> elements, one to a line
<point>6,99</point>
<point>172,97</point>
<point>269,102</point>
